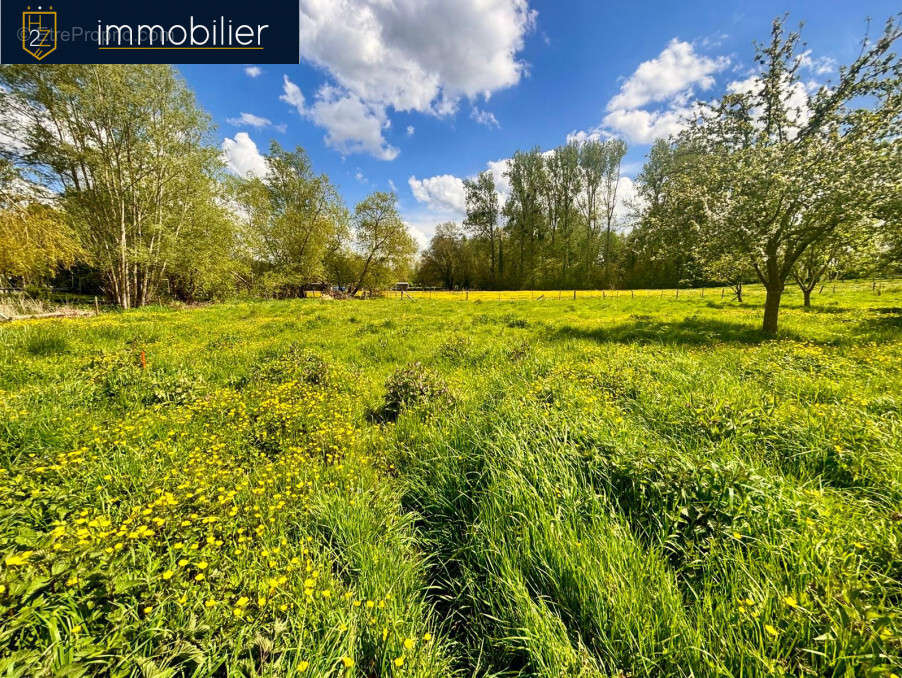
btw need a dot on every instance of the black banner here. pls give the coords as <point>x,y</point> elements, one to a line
<point>102,31</point>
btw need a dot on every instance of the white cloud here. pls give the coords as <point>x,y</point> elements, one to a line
<point>242,157</point>
<point>410,130</point>
<point>484,117</point>
<point>582,136</point>
<point>626,196</point>
<point>417,55</point>
<point>817,65</point>
<point>643,127</point>
<point>676,71</point>
<point>292,95</point>
<point>668,83</point>
<point>352,126</point>
<point>249,120</point>
<point>419,230</point>
<point>253,71</point>
<point>795,97</point>
<point>394,189</point>
<point>422,56</point>
<point>502,184</point>
<point>443,193</point>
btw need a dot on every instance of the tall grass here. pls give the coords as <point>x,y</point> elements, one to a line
<point>627,486</point>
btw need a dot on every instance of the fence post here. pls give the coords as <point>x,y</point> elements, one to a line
<point>467,298</point>
<point>574,295</point>
<point>96,306</point>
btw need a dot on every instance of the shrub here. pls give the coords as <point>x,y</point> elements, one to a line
<point>411,386</point>
<point>456,348</point>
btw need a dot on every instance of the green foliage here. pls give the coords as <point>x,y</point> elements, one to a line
<point>292,218</point>
<point>127,147</point>
<point>641,486</point>
<point>34,241</point>
<point>758,179</point>
<point>384,247</point>
<point>412,386</point>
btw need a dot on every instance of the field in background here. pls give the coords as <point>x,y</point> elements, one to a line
<point>755,293</point>
<point>637,487</point>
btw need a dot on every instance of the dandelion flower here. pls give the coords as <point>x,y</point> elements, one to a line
<point>770,629</point>
<point>168,574</point>
<point>348,662</point>
<point>408,643</point>
<point>18,558</point>
<point>399,661</point>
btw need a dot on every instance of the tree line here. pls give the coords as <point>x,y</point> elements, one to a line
<point>114,169</point>
<point>771,183</point>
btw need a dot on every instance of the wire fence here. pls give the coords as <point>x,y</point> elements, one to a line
<point>749,292</point>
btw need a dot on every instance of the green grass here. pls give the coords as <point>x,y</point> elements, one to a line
<point>603,487</point>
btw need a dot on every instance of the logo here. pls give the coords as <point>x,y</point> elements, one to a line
<point>39,32</point>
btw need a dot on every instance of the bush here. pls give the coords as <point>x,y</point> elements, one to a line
<point>456,349</point>
<point>409,387</point>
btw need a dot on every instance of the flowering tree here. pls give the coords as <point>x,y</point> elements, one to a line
<point>777,169</point>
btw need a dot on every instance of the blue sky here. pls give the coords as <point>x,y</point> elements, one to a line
<point>416,95</point>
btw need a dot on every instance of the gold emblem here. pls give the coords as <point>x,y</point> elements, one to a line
<point>39,32</point>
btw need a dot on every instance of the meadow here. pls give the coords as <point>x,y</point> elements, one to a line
<point>636,485</point>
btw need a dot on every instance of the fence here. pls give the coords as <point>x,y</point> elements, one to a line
<point>751,293</point>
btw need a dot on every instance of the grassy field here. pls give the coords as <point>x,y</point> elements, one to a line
<point>627,486</point>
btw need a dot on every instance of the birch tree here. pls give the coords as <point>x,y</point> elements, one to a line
<point>123,147</point>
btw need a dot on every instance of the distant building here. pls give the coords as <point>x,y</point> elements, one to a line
<point>401,286</point>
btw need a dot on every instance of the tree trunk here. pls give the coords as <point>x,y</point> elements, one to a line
<point>772,309</point>
<point>807,295</point>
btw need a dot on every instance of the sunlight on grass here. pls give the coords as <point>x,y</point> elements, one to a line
<point>628,485</point>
